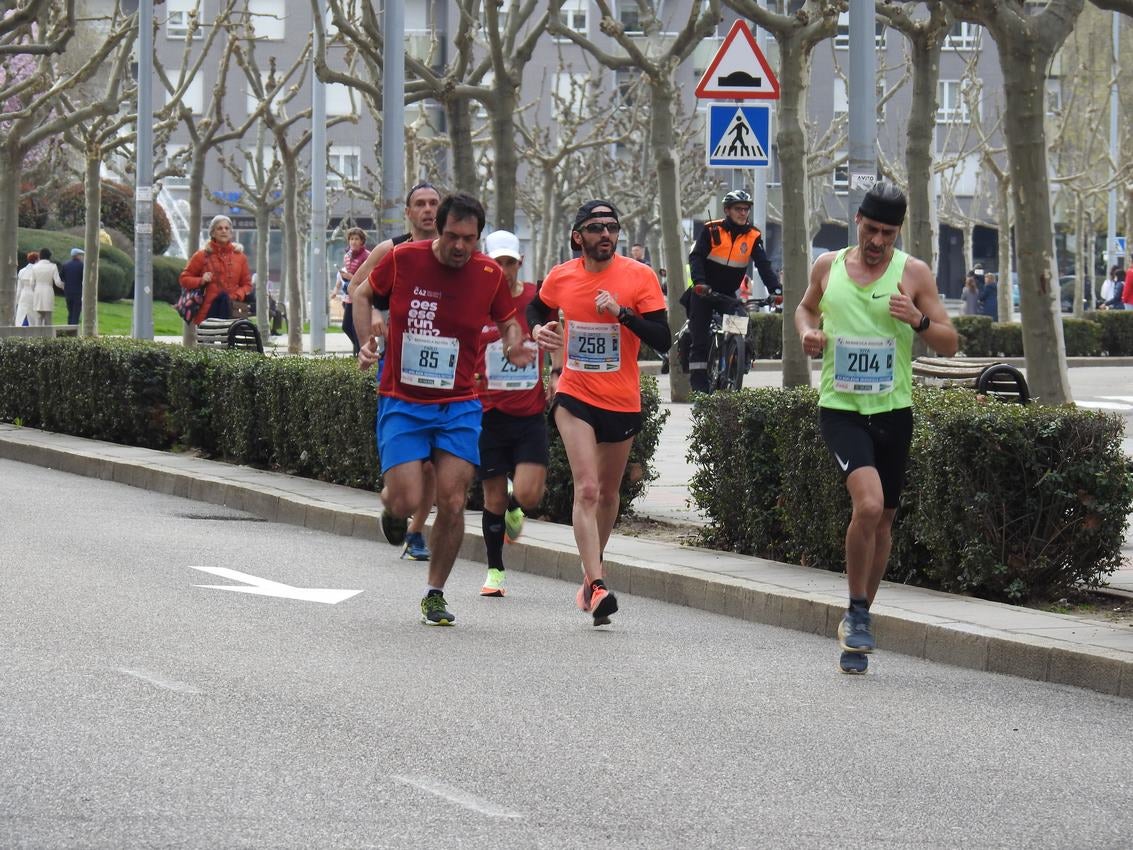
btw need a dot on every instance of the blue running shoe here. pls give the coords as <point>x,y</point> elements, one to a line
<point>853,662</point>
<point>854,633</point>
<point>434,611</point>
<point>415,548</point>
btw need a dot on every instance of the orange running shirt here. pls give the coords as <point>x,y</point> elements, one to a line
<point>599,354</point>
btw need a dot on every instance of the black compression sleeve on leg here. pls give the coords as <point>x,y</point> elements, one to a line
<point>493,527</point>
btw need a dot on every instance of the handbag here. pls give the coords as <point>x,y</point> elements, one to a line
<point>189,304</point>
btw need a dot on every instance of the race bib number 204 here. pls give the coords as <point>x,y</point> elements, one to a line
<point>864,365</point>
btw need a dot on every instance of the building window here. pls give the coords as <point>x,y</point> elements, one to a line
<point>344,165</point>
<point>178,17</point>
<point>842,38</point>
<point>630,17</point>
<point>629,84</point>
<point>963,36</point>
<point>268,19</point>
<point>574,15</point>
<point>952,102</point>
<point>194,96</point>
<point>174,161</point>
<point>340,100</point>
<point>841,176</point>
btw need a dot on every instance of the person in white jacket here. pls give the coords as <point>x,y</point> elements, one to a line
<point>25,291</point>
<point>45,275</point>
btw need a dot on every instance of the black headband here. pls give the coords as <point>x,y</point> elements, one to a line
<point>886,210</point>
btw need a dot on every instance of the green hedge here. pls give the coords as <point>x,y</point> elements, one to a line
<point>1002,501</point>
<point>166,278</point>
<point>115,268</point>
<point>1107,332</point>
<point>309,417</point>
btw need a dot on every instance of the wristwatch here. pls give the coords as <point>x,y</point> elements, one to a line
<point>624,315</point>
<point>923,326</point>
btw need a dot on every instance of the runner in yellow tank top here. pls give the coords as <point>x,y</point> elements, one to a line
<point>860,312</point>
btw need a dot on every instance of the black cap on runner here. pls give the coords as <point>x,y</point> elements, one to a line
<point>594,209</point>
<point>885,203</point>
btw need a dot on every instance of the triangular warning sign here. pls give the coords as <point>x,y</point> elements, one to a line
<point>739,70</point>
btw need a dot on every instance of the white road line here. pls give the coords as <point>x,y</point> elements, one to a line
<point>1128,399</point>
<point>160,681</point>
<point>1104,405</point>
<point>453,795</point>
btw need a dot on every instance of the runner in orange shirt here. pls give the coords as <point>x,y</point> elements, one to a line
<point>610,304</point>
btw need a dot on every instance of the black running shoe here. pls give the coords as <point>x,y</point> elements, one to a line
<point>393,528</point>
<point>853,662</point>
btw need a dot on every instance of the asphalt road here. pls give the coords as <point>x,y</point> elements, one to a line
<point>140,710</point>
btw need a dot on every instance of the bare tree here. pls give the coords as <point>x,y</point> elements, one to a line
<point>27,105</point>
<point>658,59</point>
<point>1026,42</point>
<point>37,28</point>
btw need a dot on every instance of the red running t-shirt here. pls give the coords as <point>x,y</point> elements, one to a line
<point>503,387</point>
<point>600,355</point>
<point>435,316</point>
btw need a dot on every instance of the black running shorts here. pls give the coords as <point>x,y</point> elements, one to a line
<point>881,440</point>
<point>610,426</point>
<point>506,441</point>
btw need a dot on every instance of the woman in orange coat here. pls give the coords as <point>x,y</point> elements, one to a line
<point>221,267</point>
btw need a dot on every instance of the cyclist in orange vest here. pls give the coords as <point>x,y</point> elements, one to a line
<point>720,258</point>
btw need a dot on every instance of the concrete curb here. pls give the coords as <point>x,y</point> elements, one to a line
<point>938,627</point>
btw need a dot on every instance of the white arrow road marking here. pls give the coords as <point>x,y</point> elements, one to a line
<point>160,681</point>
<point>263,587</point>
<point>454,795</point>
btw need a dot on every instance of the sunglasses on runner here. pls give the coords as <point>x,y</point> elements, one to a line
<point>597,227</point>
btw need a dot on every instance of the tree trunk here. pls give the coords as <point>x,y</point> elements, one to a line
<point>1024,72</point>
<point>9,223</point>
<point>661,142</point>
<point>291,252</point>
<point>1005,292</point>
<point>506,163</point>
<point>92,185</point>
<point>463,157</point>
<point>196,204</point>
<point>919,148</point>
<point>794,72</point>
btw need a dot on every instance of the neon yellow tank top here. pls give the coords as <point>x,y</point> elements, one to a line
<point>867,365</point>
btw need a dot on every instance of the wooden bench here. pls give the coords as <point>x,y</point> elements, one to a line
<point>988,377</point>
<point>230,333</point>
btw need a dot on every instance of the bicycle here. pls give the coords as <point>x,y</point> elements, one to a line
<point>727,340</point>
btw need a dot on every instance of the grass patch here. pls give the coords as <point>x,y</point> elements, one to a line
<point>116,318</point>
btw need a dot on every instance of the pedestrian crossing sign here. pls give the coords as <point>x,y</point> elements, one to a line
<point>738,136</point>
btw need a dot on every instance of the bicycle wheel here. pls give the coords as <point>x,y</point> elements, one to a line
<point>715,361</point>
<point>732,376</point>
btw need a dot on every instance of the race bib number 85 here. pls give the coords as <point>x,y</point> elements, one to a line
<point>429,361</point>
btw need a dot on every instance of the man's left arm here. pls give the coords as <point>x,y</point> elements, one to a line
<point>512,334</point>
<point>918,300</point>
<point>763,265</point>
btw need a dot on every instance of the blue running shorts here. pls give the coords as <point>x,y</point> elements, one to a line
<point>409,431</point>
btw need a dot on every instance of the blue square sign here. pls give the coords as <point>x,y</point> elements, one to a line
<point>738,136</point>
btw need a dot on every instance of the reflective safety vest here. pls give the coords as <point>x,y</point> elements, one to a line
<point>728,249</point>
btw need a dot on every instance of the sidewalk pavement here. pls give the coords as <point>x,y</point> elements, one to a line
<point>1064,649</point>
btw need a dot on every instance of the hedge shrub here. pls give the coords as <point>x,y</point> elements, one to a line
<point>1002,501</point>
<point>116,210</point>
<point>1116,331</point>
<point>309,417</point>
<point>166,278</point>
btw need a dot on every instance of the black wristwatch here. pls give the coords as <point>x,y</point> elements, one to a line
<point>923,326</point>
<point>624,315</point>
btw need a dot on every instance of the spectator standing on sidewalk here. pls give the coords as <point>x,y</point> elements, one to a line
<point>860,312</point>
<point>356,254</point>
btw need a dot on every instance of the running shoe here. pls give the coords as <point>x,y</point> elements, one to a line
<point>434,611</point>
<point>393,528</point>
<point>853,662</point>
<point>513,524</point>
<point>602,605</point>
<point>582,598</point>
<point>415,548</point>
<point>854,633</point>
<point>494,583</point>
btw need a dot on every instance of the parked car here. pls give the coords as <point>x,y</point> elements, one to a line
<point>1066,294</point>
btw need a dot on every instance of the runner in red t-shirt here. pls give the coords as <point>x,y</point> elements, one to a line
<point>513,433</point>
<point>440,295</point>
<point>610,305</point>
